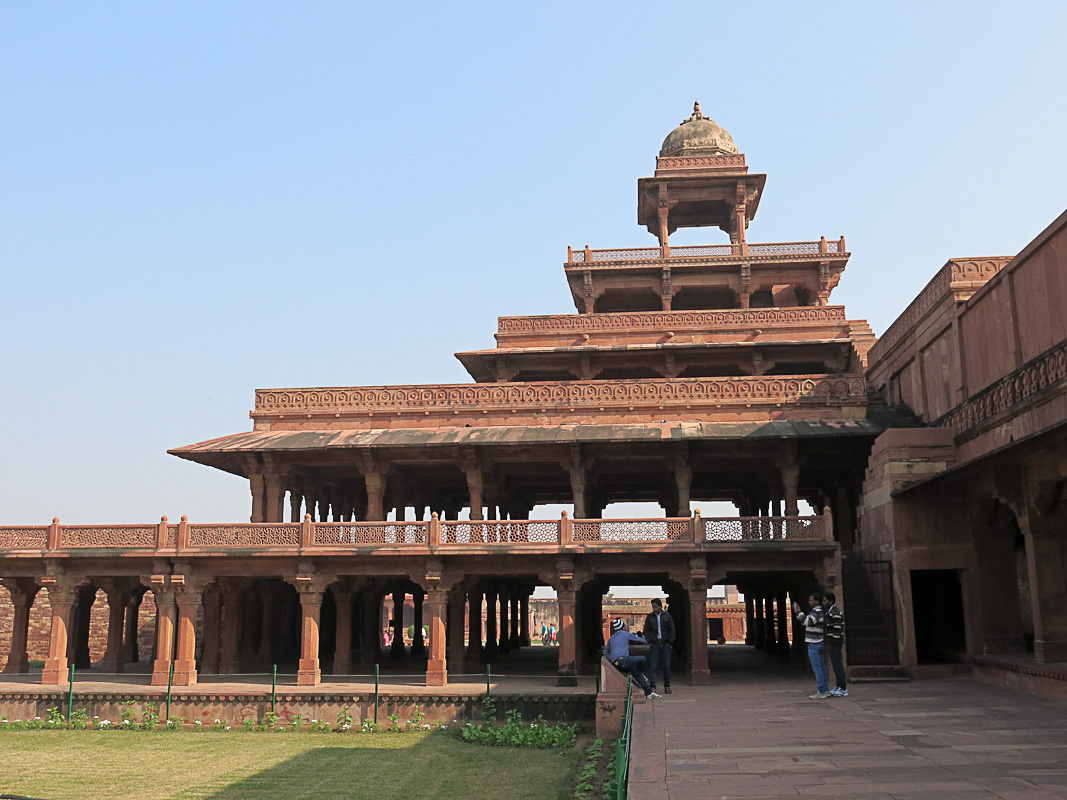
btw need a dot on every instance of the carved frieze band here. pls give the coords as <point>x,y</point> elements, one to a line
<point>1010,391</point>
<point>563,394</point>
<point>690,162</point>
<point>960,271</point>
<point>730,318</point>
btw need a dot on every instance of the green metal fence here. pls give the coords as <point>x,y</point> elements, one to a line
<point>618,786</point>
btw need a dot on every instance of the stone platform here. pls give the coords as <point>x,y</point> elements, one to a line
<point>755,734</point>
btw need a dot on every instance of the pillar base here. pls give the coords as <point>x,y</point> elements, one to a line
<point>700,677</point>
<point>1050,650</point>
<point>436,673</point>
<point>309,673</point>
<point>418,649</point>
<point>17,665</point>
<point>185,673</point>
<point>160,673</point>
<point>114,667</point>
<point>56,671</point>
<point>342,667</point>
<point>565,679</point>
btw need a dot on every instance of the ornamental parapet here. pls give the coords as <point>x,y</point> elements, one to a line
<point>959,278</point>
<point>673,320</point>
<point>1010,395</point>
<point>463,537</point>
<point>592,397</point>
<point>588,258</point>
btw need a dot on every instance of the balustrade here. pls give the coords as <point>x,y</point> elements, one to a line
<point>681,532</point>
<point>588,257</point>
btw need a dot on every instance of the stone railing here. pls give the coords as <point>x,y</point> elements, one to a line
<point>958,275</point>
<point>434,535</point>
<point>561,395</point>
<point>1010,393</point>
<point>588,257</point>
<point>672,320</point>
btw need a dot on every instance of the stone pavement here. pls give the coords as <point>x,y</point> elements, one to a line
<point>755,734</point>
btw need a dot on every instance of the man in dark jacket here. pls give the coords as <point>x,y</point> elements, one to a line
<point>833,640</point>
<point>659,633</point>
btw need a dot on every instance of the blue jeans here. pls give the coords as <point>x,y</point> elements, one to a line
<point>834,651</point>
<point>822,680</point>
<point>655,653</point>
<point>635,666</point>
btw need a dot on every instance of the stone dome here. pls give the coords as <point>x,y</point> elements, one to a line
<point>698,136</point>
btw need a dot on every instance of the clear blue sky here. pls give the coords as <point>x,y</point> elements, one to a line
<point>202,198</point>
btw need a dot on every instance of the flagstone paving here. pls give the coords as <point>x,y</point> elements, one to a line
<point>755,733</point>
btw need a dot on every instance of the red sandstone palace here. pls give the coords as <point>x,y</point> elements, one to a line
<point>936,457</point>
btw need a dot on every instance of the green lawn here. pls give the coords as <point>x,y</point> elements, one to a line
<point>73,765</point>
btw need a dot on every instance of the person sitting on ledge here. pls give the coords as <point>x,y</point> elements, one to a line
<point>618,652</point>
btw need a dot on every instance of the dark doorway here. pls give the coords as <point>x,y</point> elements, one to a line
<point>937,601</point>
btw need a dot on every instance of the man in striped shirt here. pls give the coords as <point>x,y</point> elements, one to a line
<point>813,637</point>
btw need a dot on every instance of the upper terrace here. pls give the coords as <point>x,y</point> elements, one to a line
<point>736,275</point>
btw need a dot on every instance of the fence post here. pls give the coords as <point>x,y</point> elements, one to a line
<point>70,695</point>
<point>273,686</point>
<point>170,689</point>
<point>698,528</point>
<point>433,534</point>
<point>55,533</point>
<point>161,533</point>
<point>307,532</point>
<point>183,532</point>
<point>377,677</point>
<point>566,530</point>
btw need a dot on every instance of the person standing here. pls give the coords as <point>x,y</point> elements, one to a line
<point>834,640</point>
<point>813,637</point>
<point>618,652</point>
<point>659,633</point>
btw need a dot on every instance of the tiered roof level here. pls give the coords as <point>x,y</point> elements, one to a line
<point>674,353</point>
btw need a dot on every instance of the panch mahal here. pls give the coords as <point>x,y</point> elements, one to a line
<point>934,457</point>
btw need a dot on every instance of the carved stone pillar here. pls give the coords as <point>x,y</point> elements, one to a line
<point>790,478</point>
<point>296,499</point>
<point>418,645</point>
<point>116,617</point>
<point>209,660</point>
<point>130,649</point>
<point>750,620</point>
<point>683,478</point>
<point>370,651</point>
<point>259,496</point>
<point>375,478</point>
<point>783,625</point>
<point>232,603</point>
<point>476,490</point>
<point>505,635</point>
<point>474,633</point>
<point>62,594</point>
<point>456,630</point>
<point>758,639</point>
<point>268,603</point>
<point>310,589</point>
<point>437,665</point>
<point>770,640</point>
<point>567,674</point>
<point>396,649</point>
<point>698,623</point>
<point>342,656</point>
<point>1045,538</point>
<point>514,640</point>
<point>23,591</point>
<point>188,602</point>
<point>166,614</point>
<point>275,498</point>
<point>492,645</point>
<point>524,616</point>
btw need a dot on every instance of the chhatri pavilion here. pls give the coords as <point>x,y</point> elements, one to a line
<point>688,375</point>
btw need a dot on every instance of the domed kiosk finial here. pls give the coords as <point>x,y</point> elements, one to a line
<point>698,135</point>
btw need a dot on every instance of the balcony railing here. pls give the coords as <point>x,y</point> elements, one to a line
<point>440,536</point>
<point>589,257</point>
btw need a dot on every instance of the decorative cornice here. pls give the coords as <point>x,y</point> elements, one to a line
<point>1010,394</point>
<point>851,389</point>
<point>670,320</point>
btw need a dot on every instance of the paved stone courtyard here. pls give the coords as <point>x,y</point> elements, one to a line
<point>755,734</point>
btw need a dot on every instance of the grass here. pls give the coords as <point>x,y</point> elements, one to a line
<point>64,765</point>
